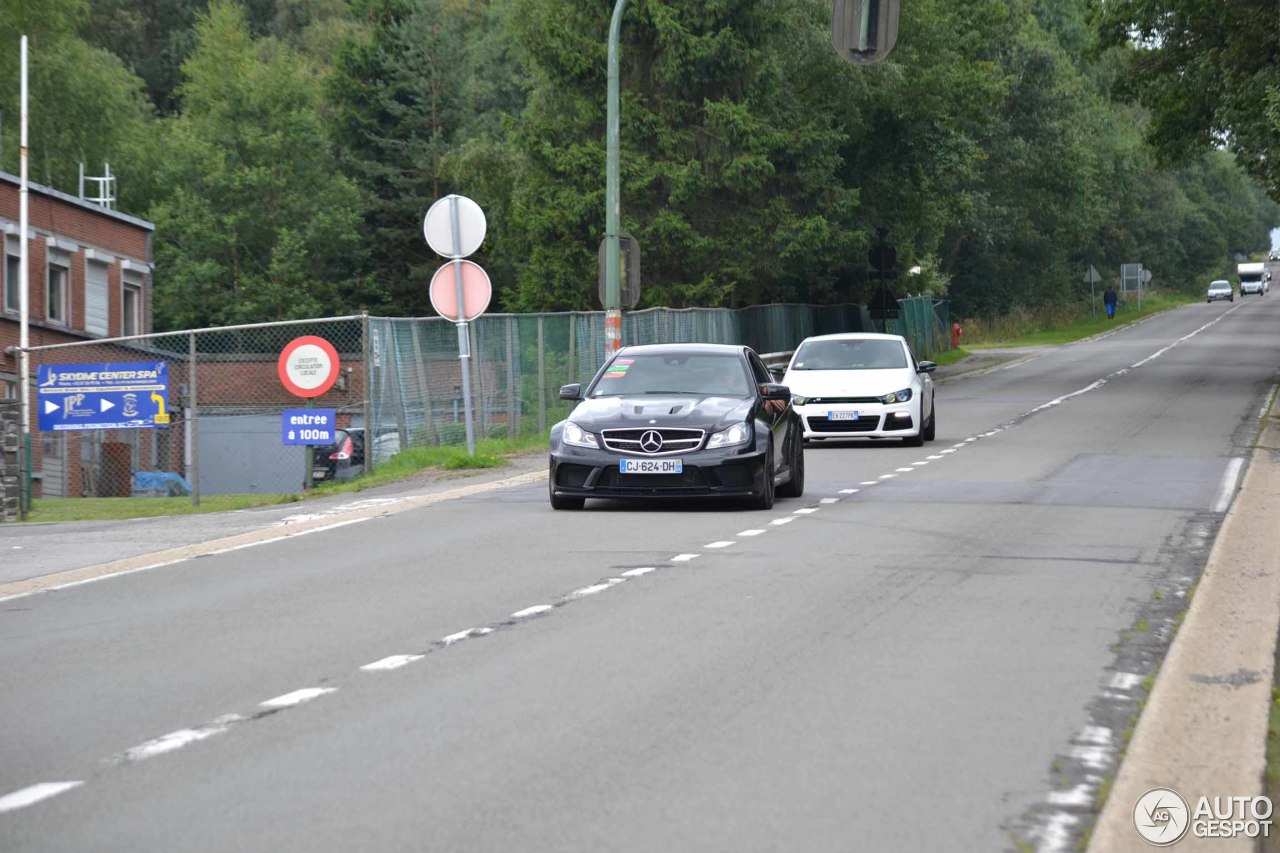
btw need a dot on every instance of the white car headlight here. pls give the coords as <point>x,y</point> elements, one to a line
<point>897,396</point>
<point>736,434</point>
<point>799,400</point>
<point>578,437</point>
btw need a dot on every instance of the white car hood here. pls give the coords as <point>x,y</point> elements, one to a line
<point>849,383</point>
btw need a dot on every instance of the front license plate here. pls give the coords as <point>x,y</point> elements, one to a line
<point>650,466</point>
<point>842,416</point>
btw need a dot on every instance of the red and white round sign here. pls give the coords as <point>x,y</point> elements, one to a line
<point>308,366</point>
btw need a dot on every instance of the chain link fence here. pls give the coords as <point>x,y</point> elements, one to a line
<point>399,385</point>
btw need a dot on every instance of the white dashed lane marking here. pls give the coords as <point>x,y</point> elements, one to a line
<point>755,532</point>
<point>683,558</point>
<point>179,739</point>
<point>390,663</point>
<point>34,794</point>
<point>778,522</point>
<point>531,611</point>
<point>809,510</point>
<point>720,544</point>
<point>297,697</point>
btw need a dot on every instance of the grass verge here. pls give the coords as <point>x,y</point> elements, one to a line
<point>1063,325</point>
<point>491,453</point>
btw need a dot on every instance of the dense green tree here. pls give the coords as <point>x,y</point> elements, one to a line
<point>729,173</point>
<point>1209,72</point>
<point>256,224</point>
<point>84,105</point>
<point>402,103</point>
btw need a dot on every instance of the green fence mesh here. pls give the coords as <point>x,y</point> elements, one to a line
<point>399,385</point>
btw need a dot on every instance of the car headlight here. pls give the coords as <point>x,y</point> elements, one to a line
<point>897,396</point>
<point>798,400</point>
<point>578,437</point>
<point>736,434</point>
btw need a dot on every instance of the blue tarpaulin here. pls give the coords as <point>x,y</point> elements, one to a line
<point>160,483</point>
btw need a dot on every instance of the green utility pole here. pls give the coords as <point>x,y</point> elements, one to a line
<point>613,205</point>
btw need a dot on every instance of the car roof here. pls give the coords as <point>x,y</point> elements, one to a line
<point>684,349</point>
<point>856,336</point>
<point>1219,281</point>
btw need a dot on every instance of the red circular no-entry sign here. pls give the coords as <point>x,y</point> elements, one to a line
<point>308,366</point>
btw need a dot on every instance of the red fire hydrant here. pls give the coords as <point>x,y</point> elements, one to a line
<point>956,332</point>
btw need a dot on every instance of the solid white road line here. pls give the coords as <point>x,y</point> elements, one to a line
<point>1228,488</point>
<point>34,794</point>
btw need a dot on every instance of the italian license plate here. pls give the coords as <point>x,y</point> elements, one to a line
<point>842,416</point>
<point>650,466</point>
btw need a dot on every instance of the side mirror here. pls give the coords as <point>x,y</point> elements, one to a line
<point>772,391</point>
<point>926,367</point>
<point>571,392</point>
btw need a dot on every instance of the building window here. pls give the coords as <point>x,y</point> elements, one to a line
<point>56,296</point>
<point>131,316</point>
<point>8,388</point>
<point>11,277</point>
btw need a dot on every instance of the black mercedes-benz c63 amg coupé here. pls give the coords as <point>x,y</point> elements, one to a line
<point>678,421</point>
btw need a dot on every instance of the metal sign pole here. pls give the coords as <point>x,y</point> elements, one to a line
<point>464,339</point>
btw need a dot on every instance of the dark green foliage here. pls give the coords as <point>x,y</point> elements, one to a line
<point>295,145</point>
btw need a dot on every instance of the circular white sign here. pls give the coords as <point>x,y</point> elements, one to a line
<point>308,366</point>
<point>437,227</point>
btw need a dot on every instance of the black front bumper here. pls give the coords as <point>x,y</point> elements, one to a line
<point>586,473</point>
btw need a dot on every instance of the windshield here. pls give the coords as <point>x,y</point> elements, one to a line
<point>849,355</point>
<point>709,375</point>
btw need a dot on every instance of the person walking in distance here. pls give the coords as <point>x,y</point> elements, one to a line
<point>1109,299</point>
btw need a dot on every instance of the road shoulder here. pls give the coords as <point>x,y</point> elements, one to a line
<point>1204,727</point>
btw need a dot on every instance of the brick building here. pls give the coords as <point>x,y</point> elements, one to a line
<point>89,276</point>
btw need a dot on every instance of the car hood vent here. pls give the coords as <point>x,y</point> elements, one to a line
<point>674,410</point>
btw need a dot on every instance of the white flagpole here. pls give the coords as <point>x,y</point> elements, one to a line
<point>24,285</point>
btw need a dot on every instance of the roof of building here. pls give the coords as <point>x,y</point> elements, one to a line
<point>78,202</point>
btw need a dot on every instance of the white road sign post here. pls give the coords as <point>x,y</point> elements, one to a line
<point>455,227</point>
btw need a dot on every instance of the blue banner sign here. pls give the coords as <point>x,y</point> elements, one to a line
<point>308,426</point>
<point>110,395</point>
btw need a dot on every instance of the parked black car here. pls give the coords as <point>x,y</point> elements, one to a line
<point>340,460</point>
<point>678,421</point>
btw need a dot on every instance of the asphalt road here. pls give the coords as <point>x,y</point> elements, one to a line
<point>928,651</point>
